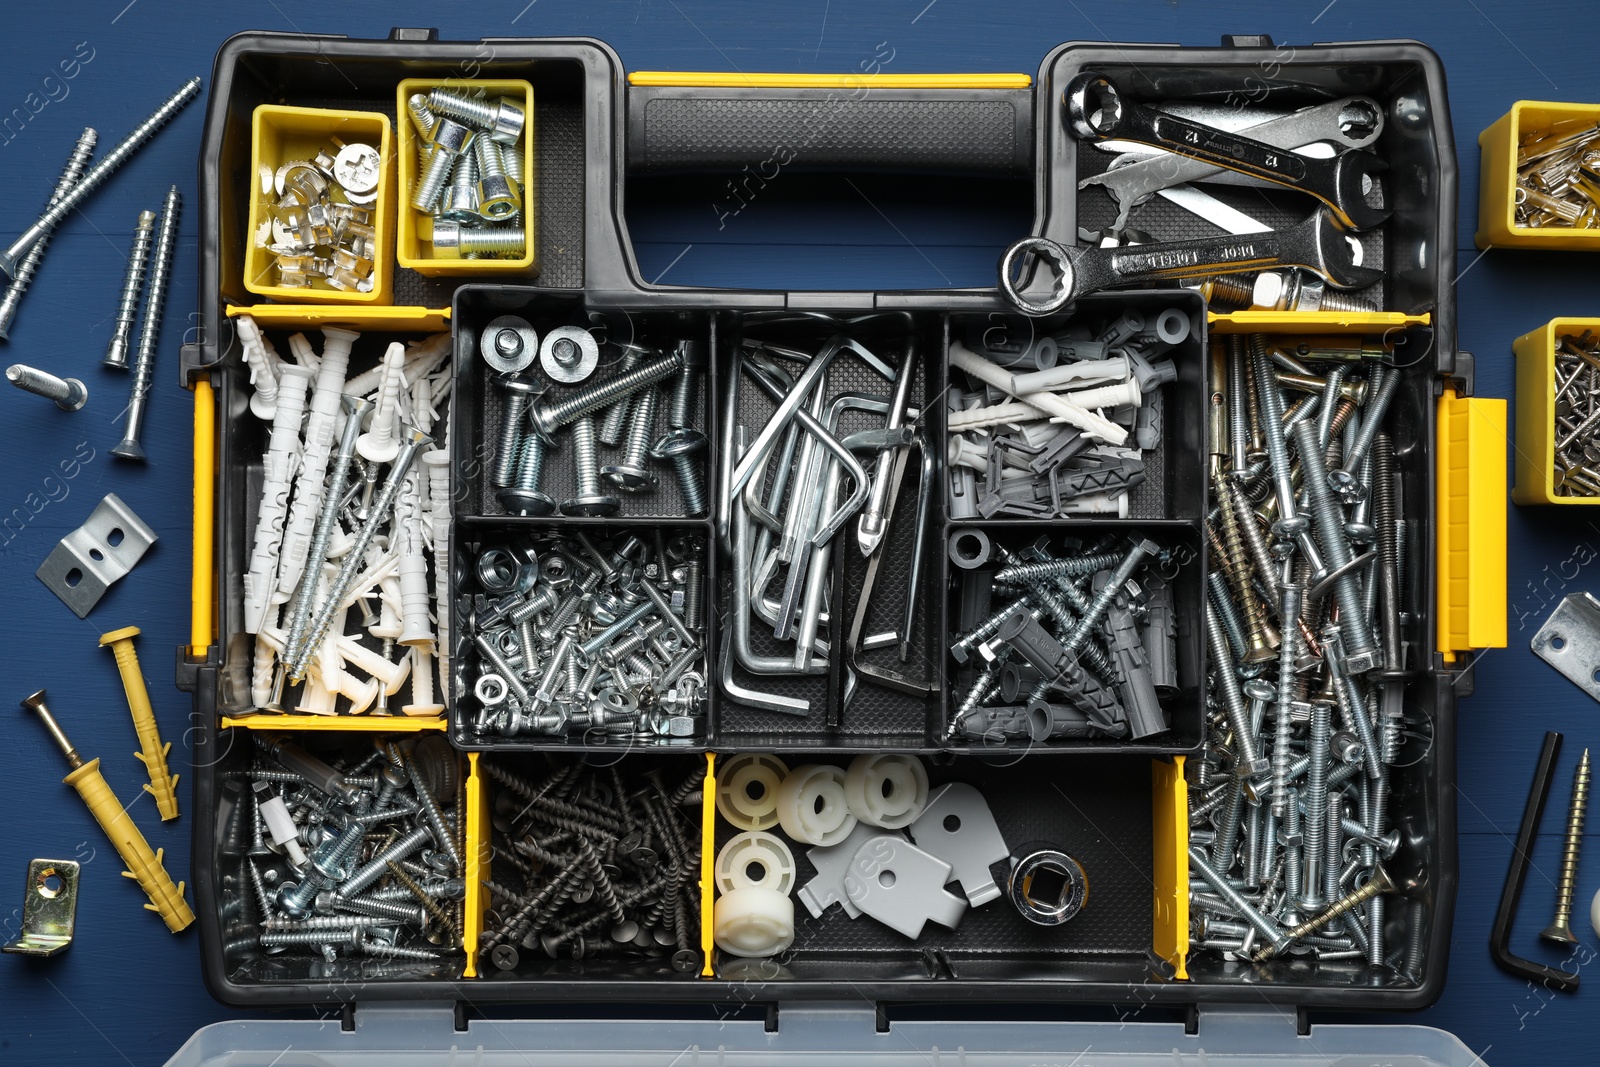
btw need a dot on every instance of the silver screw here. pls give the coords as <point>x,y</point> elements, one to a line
<point>423,120</point>
<point>1316,798</point>
<point>679,446</point>
<point>519,393</point>
<point>631,475</point>
<point>501,120</point>
<point>591,398</point>
<point>70,175</point>
<point>450,139</point>
<point>680,412</point>
<point>1250,763</point>
<point>97,174</point>
<point>451,239</point>
<point>525,496</point>
<point>150,328</point>
<point>1269,395</point>
<point>68,393</point>
<point>1360,652</point>
<point>611,425</point>
<point>498,197</point>
<point>591,500</point>
<point>461,199</point>
<point>132,287</point>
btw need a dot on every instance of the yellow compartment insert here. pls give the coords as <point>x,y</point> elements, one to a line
<point>1500,147</point>
<point>414,248</point>
<point>279,134</point>
<point>1374,322</point>
<point>361,319</point>
<point>1534,458</point>
<point>1169,805</point>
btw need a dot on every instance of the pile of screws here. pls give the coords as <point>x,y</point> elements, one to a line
<point>470,153</point>
<point>1284,289</point>
<point>321,229</point>
<point>597,640</point>
<point>1577,445</point>
<point>1289,813</point>
<point>592,861</point>
<point>1557,183</point>
<point>533,419</point>
<point>363,860</point>
<point>1077,648</point>
<point>1058,425</point>
<point>334,531</point>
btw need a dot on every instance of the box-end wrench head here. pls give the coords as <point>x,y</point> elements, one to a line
<point>1095,110</point>
<point>1319,244</point>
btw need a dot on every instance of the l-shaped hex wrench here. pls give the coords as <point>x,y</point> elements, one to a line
<point>1521,858</point>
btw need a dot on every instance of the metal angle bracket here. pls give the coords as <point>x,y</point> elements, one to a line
<point>1569,641</point>
<point>82,567</point>
<point>49,910</point>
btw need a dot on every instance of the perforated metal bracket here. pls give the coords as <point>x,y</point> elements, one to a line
<point>49,909</point>
<point>82,567</point>
<point>1569,641</point>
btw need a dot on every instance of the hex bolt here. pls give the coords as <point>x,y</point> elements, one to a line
<point>77,161</point>
<point>132,287</point>
<point>150,329</point>
<point>590,500</point>
<point>449,139</point>
<point>498,196</point>
<point>679,446</point>
<point>1560,929</point>
<point>631,475</point>
<point>103,169</point>
<point>1361,653</point>
<point>69,394</point>
<point>519,394</point>
<point>502,120</point>
<point>550,416</point>
<point>452,240</point>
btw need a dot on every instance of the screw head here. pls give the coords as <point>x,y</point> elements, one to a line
<point>589,507</point>
<point>1559,933</point>
<point>629,479</point>
<point>526,502</point>
<point>1287,530</point>
<point>680,442</point>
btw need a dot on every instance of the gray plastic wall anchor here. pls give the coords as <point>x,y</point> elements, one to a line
<point>1139,700</point>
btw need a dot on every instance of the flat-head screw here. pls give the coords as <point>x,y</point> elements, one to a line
<point>1560,930</point>
<point>1379,882</point>
<point>150,329</point>
<point>132,287</point>
<point>69,394</point>
<point>77,161</point>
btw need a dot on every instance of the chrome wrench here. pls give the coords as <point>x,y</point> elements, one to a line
<point>1319,244</point>
<point>1097,111</point>
<point>1354,122</point>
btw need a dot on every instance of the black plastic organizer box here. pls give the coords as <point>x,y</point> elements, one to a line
<point>1120,807</point>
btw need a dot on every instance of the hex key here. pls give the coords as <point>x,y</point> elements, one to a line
<point>1521,856</point>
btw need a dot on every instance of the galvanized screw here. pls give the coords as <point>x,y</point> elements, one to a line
<point>150,328</point>
<point>590,500</point>
<point>70,394</point>
<point>70,175</point>
<point>132,287</point>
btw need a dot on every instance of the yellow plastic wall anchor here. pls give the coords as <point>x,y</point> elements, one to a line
<point>1170,867</point>
<point>153,753</point>
<point>144,866</point>
<point>1470,532</point>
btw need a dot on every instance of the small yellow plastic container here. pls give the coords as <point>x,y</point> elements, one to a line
<point>414,248</point>
<point>1535,460</point>
<point>1497,184</point>
<point>280,134</point>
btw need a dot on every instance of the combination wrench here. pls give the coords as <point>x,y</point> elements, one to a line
<point>1319,244</point>
<point>1096,111</point>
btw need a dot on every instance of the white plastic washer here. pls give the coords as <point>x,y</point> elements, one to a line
<point>747,790</point>
<point>886,790</point>
<point>755,850</point>
<point>753,922</point>
<point>812,806</point>
<point>569,354</point>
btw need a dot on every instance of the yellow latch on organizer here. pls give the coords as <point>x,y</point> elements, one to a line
<point>1170,863</point>
<point>1471,527</point>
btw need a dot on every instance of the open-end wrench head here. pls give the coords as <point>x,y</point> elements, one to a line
<point>1331,252</point>
<point>1093,107</point>
<point>1355,172</point>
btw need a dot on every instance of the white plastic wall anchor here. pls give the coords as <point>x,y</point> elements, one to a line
<point>266,655</point>
<point>281,828</point>
<point>265,365</point>
<point>1073,375</point>
<point>425,357</point>
<point>993,415</point>
<point>437,465</point>
<point>315,697</point>
<point>413,574</point>
<point>965,452</point>
<point>419,405</point>
<point>283,456</point>
<point>1115,395</point>
<point>321,429</point>
<point>371,662</point>
<point>963,358</point>
<point>389,621</point>
<point>301,350</point>
<point>1096,504</point>
<point>422,701</point>
<point>381,443</point>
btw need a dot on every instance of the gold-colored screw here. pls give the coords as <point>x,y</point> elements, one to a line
<point>1380,882</point>
<point>1560,931</point>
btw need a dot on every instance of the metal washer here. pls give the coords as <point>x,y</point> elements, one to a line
<point>508,344</point>
<point>569,354</point>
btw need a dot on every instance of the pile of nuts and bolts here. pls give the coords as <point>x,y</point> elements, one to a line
<point>1057,424</point>
<point>561,416</point>
<point>343,861</point>
<point>594,638</point>
<point>322,228</point>
<point>593,861</point>
<point>1282,289</point>
<point>1558,177</point>
<point>1292,850</point>
<point>1078,641</point>
<point>470,170</point>
<point>1577,444</point>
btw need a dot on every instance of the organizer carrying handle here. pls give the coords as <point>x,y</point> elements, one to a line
<point>971,124</point>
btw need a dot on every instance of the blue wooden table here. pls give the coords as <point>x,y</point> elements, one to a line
<point>129,992</point>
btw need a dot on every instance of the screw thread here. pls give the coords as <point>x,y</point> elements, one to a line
<point>1288,653</point>
<point>583,457</point>
<point>491,164</point>
<point>694,602</point>
<point>691,482</point>
<point>22,277</point>
<point>281,938</point>
<point>1261,639</point>
<point>155,304</point>
<point>598,395</point>
<point>1024,574</point>
<point>681,408</point>
<point>1231,289</point>
<point>641,430</point>
<point>1228,825</point>
<point>505,454</point>
<point>1227,614</point>
<point>441,160</point>
<point>515,162</point>
<point>1238,394</point>
<point>1328,519</point>
<point>396,952</point>
<point>1097,607</point>
<point>1269,398</point>
<point>530,465</point>
<point>132,288</point>
<point>611,424</point>
<point>493,239</point>
<point>38,382</point>
<point>462,108</point>
<point>1573,843</point>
